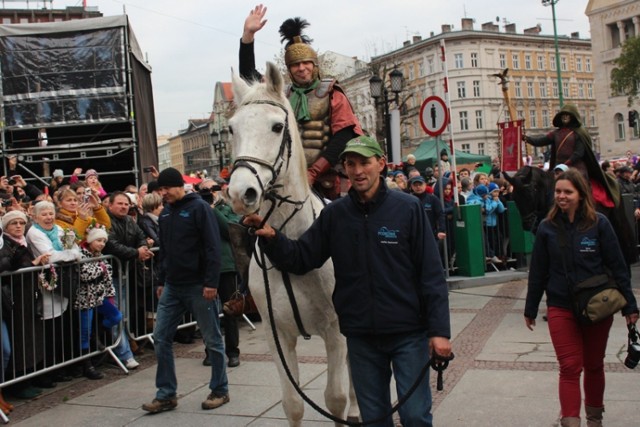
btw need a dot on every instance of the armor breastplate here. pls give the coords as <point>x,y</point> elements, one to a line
<point>315,133</point>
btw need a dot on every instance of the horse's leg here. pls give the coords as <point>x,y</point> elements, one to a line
<point>291,401</point>
<point>335,393</point>
<point>354,409</point>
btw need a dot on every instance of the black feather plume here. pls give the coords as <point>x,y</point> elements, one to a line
<point>293,27</point>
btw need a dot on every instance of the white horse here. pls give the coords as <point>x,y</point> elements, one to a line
<point>269,161</point>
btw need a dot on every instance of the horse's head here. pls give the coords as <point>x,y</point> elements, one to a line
<point>266,143</point>
<point>530,194</point>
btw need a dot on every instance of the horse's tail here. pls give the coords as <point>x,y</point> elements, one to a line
<point>625,234</point>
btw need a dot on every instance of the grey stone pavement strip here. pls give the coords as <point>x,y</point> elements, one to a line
<point>503,374</point>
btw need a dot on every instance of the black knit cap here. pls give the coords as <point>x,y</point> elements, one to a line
<point>170,177</point>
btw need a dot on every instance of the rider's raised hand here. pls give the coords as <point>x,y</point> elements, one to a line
<point>254,23</point>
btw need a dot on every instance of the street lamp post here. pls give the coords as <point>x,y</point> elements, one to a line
<point>380,95</point>
<point>219,141</point>
<point>555,40</point>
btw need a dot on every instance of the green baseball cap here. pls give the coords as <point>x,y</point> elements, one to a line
<point>363,145</point>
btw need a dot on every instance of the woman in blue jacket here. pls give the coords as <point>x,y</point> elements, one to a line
<point>593,248</point>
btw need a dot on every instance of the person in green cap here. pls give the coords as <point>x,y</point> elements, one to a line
<point>325,117</point>
<point>390,293</point>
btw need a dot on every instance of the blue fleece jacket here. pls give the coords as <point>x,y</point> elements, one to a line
<point>590,251</point>
<point>387,267</point>
<point>190,250</point>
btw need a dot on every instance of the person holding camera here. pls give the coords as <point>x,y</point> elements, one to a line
<point>76,211</point>
<point>589,248</point>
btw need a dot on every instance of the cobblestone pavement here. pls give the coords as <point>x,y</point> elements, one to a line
<point>484,320</point>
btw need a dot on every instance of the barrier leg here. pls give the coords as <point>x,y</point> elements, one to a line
<point>246,319</point>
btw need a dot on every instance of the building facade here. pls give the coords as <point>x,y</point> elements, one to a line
<point>612,23</point>
<point>197,149</point>
<point>164,152</point>
<point>477,104</point>
<point>29,15</point>
<point>176,152</point>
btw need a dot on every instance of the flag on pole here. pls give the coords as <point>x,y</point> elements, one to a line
<point>511,145</point>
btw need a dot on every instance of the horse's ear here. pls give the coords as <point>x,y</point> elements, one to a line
<point>240,87</point>
<point>273,78</point>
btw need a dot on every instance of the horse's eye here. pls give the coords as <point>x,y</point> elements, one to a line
<point>277,128</point>
<point>230,130</point>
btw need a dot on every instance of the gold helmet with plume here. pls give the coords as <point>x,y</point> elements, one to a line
<point>297,48</point>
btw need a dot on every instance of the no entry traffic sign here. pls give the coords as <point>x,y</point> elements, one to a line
<point>434,116</point>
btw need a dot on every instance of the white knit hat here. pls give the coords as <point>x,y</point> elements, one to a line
<point>10,216</point>
<point>94,233</point>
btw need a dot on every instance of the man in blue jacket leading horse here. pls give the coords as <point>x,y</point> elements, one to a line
<point>390,295</point>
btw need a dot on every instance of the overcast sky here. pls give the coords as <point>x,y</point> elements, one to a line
<point>192,44</point>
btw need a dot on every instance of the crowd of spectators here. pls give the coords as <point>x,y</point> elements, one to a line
<point>76,218</point>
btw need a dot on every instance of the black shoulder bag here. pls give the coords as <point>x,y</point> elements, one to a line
<point>595,298</point>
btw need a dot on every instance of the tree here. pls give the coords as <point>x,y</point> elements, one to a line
<point>625,78</point>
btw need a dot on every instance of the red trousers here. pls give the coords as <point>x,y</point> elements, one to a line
<point>578,347</point>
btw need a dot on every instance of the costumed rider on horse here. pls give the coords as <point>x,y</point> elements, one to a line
<point>571,145</point>
<point>325,117</point>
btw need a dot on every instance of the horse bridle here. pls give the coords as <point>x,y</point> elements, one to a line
<point>276,167</point>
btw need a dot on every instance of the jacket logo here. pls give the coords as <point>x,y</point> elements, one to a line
<point>184,214</point>
<point>588,245</point>
<point>388,237</point>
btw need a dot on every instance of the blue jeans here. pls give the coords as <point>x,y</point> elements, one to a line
<point>372,358</point>
<point>174,303</point>
<point>6,348</point>
<point>123,349</point>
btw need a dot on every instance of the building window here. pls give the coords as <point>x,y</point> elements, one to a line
<point>479,124</point>
<point>430,67</point>
<point>563,63</point>
<point>554,90</point>
<point>421,68</point>
<point>581,90</point>
<point>481,148</point>
<point>464,120</point>
<point>518,89</point>
<point>462,90</point>
<point>540,62</point>
<point>466,148</point>
<point>474,59</point>
<point>476,88</point>
<point>587,65</point>
<point>565,89</point>
<point>533,119</point>
<point>619,121</point>
<point>503,61</point>
<point>411,75</point>
<point>515,61</point>
<point>527,62</point>
<point>592,117</point>
<point>552,62</point>
<point>590,90</point>
<point>543,89</point>
<point>579,63</point>
<point>545,118</point>
<point>530,92</point>
<point>459,60</point>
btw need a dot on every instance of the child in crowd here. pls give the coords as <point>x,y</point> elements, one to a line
<point>96,291</point>
<point>492,207</point>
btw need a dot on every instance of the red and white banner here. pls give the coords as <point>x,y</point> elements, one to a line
<point>511,145</point>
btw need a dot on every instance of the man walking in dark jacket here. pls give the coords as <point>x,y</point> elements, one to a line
<point>390,295</point>
<point>189,274</point>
